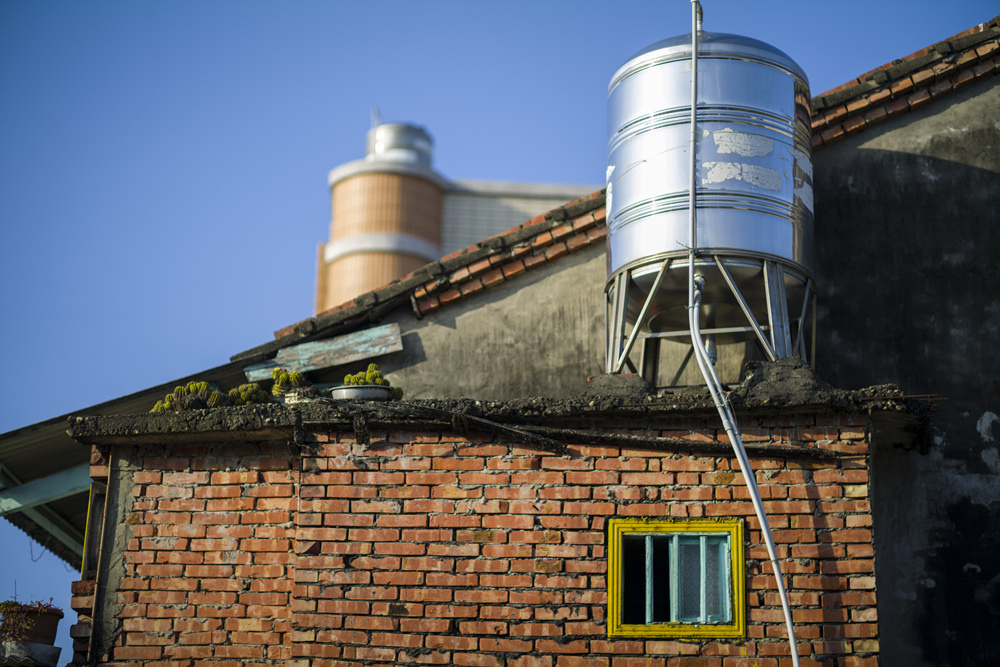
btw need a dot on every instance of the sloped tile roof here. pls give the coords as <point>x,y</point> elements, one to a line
<point>905,84</point>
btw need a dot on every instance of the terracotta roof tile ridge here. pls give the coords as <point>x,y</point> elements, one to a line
<point>956,42</point>
<point>552,234</point>
<point>907,83</point>
<point>535,243</point>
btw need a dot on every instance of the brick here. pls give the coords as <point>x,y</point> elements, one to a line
<point>535,630</point>
<point>513,269</point>
<point>550,646</point>
<point>138,653</point>
<point>602,477</point>
<point>228,505</point>
<point>182,478</point>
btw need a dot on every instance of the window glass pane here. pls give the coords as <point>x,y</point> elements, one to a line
<point>715,574</point>
<point>661,579</point>
<point>689,575</point>
<point>633,579</point>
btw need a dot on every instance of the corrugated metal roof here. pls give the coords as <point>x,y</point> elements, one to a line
<point>38,450</point>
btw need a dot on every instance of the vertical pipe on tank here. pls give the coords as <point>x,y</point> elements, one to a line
<point>695,286</point>
<point>692,184</point>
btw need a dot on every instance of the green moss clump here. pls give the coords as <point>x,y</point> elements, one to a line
<point>247,394</point>
<point>285,380</point>
<point>192,396</point>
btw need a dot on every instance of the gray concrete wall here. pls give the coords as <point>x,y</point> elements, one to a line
<point>540,334</point>
<point>907,237</point>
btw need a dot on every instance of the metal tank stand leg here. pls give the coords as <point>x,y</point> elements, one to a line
<point>616,321</point>
<point>777,309</point>
<point>642,314</point>
<point>761,338</point>
<point>800,339</point>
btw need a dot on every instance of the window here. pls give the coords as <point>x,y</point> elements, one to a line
<point>676,578</point>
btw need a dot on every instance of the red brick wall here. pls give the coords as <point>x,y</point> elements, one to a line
<point>431,548</point>
<point>208,568</point>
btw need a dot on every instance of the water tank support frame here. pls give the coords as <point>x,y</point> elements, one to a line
<point>623,352</point>
<point>774,338</point>
<point>757,329</point>
<point>777,309</point>
<point>615,320</point>
<point>800,341</point>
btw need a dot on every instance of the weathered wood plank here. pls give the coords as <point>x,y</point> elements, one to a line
<point>338,351</point>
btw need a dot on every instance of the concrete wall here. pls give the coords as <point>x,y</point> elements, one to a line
<point>541,334</point>
<point>907,236</point>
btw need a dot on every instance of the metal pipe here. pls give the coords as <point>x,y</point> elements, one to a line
<point>729,423</point>
<point>692,184</point>
<point>695,286</point>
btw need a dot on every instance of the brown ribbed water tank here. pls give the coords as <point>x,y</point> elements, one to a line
<point>386,218</point>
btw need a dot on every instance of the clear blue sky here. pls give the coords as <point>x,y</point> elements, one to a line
<point>163,164</point>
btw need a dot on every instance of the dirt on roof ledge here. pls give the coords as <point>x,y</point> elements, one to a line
<point>784,386</point>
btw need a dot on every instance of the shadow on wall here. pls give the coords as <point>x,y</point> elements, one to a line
<point>909,292</point>
<point>971,580</point>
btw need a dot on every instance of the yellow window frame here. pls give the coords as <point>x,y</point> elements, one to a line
<point>618,528</point>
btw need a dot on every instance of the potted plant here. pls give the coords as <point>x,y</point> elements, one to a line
<point>32,623</point>
<point>292,386</point>
<point>366,385</point>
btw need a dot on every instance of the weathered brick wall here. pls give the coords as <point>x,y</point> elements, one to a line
<point>208,564</point>
<point>436,548</point>
<point>432,548</point>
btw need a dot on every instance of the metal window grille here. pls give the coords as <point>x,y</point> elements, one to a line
<point>676,578</point>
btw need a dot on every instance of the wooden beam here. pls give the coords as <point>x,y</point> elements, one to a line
<point>320,354</point>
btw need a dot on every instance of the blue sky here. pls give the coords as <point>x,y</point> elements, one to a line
<point>163,164</point>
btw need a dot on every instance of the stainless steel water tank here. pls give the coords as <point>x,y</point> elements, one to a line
<point>399,142</point>
<point>753,173</point>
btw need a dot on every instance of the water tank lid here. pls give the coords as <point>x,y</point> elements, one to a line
<point>711,43</point>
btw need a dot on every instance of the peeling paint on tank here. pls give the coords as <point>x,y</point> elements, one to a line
<point>761,177</point>
<point>719,172</point>
<point>728,140</point>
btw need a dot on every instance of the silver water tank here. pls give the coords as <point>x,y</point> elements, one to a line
<point>399,142</point>
<point>753,176</point>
